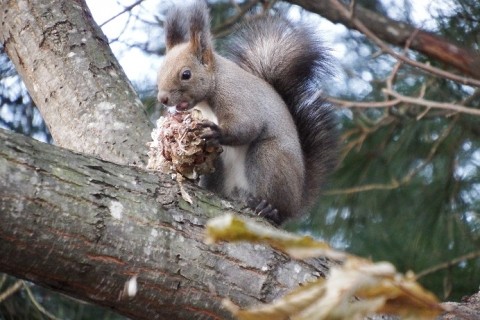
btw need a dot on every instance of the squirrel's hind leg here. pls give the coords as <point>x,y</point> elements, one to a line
<point>276,179</point>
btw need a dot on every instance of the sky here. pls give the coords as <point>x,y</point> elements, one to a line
<point>138,66</point>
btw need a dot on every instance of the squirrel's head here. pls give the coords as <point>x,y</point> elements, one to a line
<point>186,76</point>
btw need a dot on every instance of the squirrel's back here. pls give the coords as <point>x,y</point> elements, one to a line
<point>293,60</point>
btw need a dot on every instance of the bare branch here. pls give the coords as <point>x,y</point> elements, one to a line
<point>433,104</point>
<point>126,9</point>
<point>37,304</point>
<point>360,104</point>
<point>448,264</point>
<point>11,290</point>
<point>399,98</point>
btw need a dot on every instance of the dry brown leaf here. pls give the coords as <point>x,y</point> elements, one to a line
<point>353,290</point>
<point>230,227</point>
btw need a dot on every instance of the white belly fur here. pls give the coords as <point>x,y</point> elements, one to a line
<point>233,158</point>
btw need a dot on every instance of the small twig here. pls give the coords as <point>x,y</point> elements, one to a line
<point>351,8</point>
<point>391,79</point>
<point>399,98</point>
<point>358,104</point>
<point>423,90</point>
<point>127,8</point>
<point>423,113</point>
<point>363,132</point>
<point>368,187</point>
<point>431,154</point>
<point>125,26</point>
<point>448,264</point>
<point>398,65</point>
<point>11,290</point>
<point>36,303</point>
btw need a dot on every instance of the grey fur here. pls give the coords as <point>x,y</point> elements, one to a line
<point>281,164</point>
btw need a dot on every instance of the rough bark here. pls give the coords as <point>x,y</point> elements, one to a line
<point>84,226</point>
<point>74,79</point>
<point>399,33</point>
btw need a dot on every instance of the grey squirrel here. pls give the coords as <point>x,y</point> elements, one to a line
<point>262,106</point>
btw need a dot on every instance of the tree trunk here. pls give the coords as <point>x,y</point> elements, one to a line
<point>74,79</point>
<point>84,226</point>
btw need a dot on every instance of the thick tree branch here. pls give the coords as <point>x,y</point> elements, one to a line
<point>398,33</point>
<point>85,227</point>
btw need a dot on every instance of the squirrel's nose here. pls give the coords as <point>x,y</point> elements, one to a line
<point>163,98</point>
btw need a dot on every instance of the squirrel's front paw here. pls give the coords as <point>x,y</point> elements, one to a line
<point>264,209</point>
<point>212,133</point>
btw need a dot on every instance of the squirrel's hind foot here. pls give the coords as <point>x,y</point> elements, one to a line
<point>264,209</point>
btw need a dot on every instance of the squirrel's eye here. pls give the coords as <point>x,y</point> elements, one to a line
<point>187,74</point>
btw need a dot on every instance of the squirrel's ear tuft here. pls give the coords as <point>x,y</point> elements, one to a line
<point>200,37</point>
<point>176,28</point>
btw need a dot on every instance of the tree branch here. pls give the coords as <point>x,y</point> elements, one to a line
<point>125,9</point>
<point>448,264</point>
<point>432,104</point>
<point>398,33</point>
<point>84,227</point>
<point>11,290</point>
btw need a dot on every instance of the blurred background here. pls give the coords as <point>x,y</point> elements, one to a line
<point>407,187</point>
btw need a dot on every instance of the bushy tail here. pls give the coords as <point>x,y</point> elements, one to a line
<point>293,61</point>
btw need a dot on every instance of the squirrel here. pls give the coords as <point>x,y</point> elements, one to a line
<point>261,103</point>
